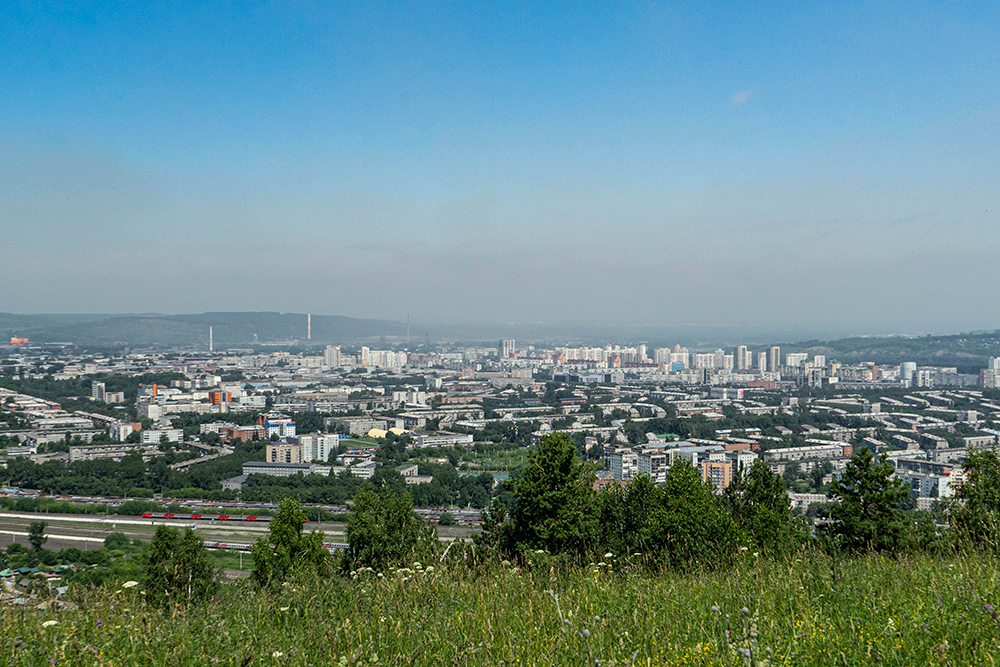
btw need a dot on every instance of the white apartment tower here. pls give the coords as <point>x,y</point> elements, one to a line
<point>773,358</point>
<point>742,358</point>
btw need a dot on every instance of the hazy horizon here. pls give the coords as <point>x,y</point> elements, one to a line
<point>759,166</point>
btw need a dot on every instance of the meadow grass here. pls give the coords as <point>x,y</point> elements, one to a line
<point>809,611</point>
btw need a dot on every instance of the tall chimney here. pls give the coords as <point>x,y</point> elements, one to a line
<point>309,326</point>
<point>211,347</point>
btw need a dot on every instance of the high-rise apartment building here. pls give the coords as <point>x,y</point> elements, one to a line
<point>97,391</point>
<point>506,348</point>
<point>743,358</point>
<point>773,358</point>
<point>717,473</point>
<point>762,362</point>
<point>795,359</point>
<point>331,356</point>
<point>819,361</point>
<point>703,361</point>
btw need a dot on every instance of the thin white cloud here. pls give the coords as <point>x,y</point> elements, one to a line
<point>741,98</point>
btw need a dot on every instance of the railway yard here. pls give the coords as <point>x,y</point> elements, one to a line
<point>88,531</point>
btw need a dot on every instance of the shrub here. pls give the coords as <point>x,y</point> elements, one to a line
<point>117,541</point>
<point>976,518</point>
<point>176,568</point>
<point>384,532</point>
<point>286,548</point>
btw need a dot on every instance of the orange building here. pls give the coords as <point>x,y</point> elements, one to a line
<point>717,473</point>
<point>217,397</point>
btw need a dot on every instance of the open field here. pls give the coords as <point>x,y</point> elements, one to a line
<point>812,611</point>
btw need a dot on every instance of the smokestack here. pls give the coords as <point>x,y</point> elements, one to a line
<point>309,326</point>
<point>211,347</point>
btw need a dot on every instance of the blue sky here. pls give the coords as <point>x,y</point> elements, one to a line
<point>711,163</point>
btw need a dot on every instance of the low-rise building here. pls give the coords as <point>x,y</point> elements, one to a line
<point>112,452</point>
<point>814,449</point>
<point>156,435</point>
<point>443,439</point>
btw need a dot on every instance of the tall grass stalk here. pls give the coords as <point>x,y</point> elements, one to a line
<point>808,611</point>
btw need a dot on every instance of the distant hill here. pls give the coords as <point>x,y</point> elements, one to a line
<point>969,352</point>
<point>229,329</point>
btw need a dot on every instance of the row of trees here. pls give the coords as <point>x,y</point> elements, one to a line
<point>683,523</point>
<point>110,478</point>
<point>554,507</point>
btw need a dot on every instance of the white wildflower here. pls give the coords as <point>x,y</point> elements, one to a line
<point>130,584</point>
<point>49,624</point>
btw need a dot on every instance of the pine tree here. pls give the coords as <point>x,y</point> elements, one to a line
<point>867,517</point>
<point>554,506</point>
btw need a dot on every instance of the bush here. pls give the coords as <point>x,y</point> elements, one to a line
<point>286,549</point>
<point>758,500</point>
<point>70,555</point>
<point>384,532</point>
<point>117,541</point>
<point>176,568</point>
<point>137,507</point>
<point>976,519</point>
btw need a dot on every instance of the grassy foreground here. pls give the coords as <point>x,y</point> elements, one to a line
<point>815,611</point>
